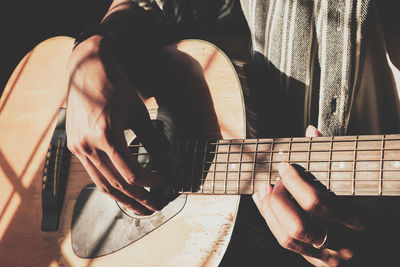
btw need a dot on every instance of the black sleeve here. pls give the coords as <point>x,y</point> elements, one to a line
<point>182,19</point>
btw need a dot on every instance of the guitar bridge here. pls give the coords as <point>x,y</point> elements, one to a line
<point>54,179</point>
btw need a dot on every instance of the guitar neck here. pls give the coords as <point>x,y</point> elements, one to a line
<point>346,165</point>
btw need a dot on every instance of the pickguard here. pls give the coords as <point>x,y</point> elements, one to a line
<point>100,227</point>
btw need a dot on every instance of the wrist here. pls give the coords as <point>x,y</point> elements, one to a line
<point>102,39</point>
<point>94,47</point>
<point>95,32</point>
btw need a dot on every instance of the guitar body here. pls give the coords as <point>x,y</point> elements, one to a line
<point>197,236</point>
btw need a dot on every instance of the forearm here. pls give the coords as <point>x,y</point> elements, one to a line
<point>130,21</point>
<point>127,31</point>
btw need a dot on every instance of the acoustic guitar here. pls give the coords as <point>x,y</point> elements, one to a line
<point>205,94</point>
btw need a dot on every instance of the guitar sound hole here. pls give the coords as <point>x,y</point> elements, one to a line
<point>132,214</point>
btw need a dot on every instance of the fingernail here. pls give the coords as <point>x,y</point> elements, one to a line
<point>312,131</point>
<point>131,179</point>
<point>282,167</point>
<point>256,199</point>
<point>261,193</point>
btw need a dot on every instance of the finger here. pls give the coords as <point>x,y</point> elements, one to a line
<point>259,195</point>
<point>311,131</point>
<point>113,177</point>
<point>141,124</point>
<point>106,188</point>
<point>317,202</point>
<point>293,219</point>
<point>129,203</point>
<point>129,167</point>
<point>133,113</point>
<point>285,240</point>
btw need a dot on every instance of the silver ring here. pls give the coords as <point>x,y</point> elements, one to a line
<point>323,243</point>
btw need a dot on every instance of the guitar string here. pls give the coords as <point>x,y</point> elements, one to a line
<point>301,141</point>
<point>381,166</point>
<point>311,171</point>
<point>385,168</point>
<point>294,151</point>
<point>294,161</point>
<point>277,174</point>
<point>325,139</point>
<point>244,184</point>
<point>305,140</point>
<point>323,165</point>
<point>305,161</point>
<point>313,151</point>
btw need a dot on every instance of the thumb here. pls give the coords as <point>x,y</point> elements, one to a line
<point>312,131</point>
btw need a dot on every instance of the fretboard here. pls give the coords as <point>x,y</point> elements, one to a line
<point>346,165</point>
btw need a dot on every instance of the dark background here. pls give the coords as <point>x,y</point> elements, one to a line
<point>25,23</point>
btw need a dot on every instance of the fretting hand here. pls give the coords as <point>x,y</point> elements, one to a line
<point>309,220</point>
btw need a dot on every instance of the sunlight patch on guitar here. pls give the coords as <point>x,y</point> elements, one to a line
<point>9,213</point>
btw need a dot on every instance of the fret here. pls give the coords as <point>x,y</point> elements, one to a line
<point>394,144</point>
<point>203,175</point>
<point>240,166</point>
<point>184,178</point>
<point>270,162</point>
<point>193,166</point>
<point>290,149</point>
<point>380,192</point>
<point>254,169</point>
<point>215,167</point>
<point>179,171</point>
<point>353,183</point>
<point>182,171</point>
<point>227,166</point>
<point>330,164</point>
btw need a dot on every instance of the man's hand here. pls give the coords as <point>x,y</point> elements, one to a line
<point>309,220</point>
<point>102,103</point>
